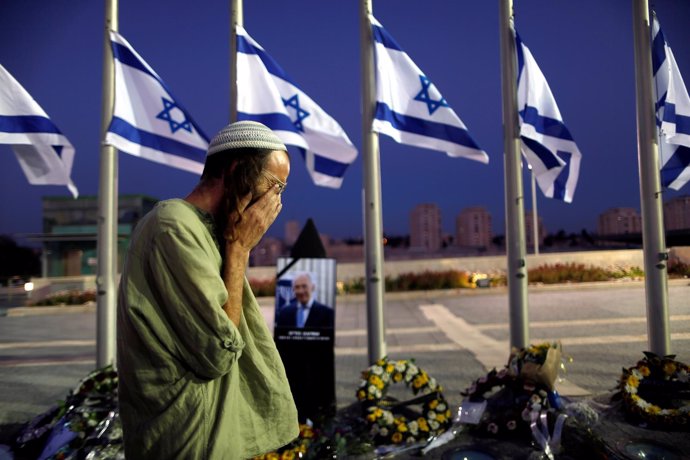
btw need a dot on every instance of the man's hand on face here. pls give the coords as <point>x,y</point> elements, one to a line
<point>256,218</point>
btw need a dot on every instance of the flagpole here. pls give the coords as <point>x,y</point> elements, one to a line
<point>106,300</point>
<point>653,238</point>
<point>236,19</point>
<point>514,195</point>
<point>535,215</point>
<point>372,194</point>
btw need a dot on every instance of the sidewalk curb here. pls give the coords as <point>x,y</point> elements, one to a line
<point>265,301</point>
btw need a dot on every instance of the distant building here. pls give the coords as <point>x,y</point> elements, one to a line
<point>292,230</point>
<point>677,213</point>
<point>619,221</point>
<point>266,253</point>
<point>529,229</point>
<point>70,230</point>
<point>473,228</point>
<point>425,227</point>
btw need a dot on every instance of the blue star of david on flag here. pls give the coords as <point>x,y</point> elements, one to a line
<point>168,105</point>
<point>300,113</point>
<point>423,96</point>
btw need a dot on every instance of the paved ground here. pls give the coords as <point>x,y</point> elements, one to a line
<point>454,335</point>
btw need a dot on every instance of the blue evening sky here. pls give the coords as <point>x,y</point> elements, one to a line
<point>585,49</point>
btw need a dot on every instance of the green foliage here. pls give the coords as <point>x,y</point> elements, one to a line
<point>579,273</point>
<point>67,298</point>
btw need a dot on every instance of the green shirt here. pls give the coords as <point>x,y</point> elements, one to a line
<point>192,385</point>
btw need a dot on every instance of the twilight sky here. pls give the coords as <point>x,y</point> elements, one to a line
<point>585,49</point>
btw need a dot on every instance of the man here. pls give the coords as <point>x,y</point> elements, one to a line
<point>305,311</point>
<point>200,377</point>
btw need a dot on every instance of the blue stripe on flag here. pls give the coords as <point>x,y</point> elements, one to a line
<point>325,165</point>
<point>561,182</point>
<point>544,154</point>
<point>658,52</point>
<point>243,46</point>
<point>153,141</point>
<point>520,56</point>
<point>682,122</point>
<point>382,36</point>
<point>424,127</point>
<point>27,124</point>
<point>675,165</point>
<point>125,56</point>
<point>545,125</point>
<point>275,121</point>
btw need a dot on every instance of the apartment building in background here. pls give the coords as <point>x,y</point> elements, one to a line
<point>473,228</point>
<point>619,221</point>
<point>425,227</point>
<point>677,213</point>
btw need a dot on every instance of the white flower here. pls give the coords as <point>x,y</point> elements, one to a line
<point>410,440</point>
<point>388,417</point>
<point>630,389</point>
<point>637,374</point>
<point>413,427</point>
<point>377,370</point>
<point>441,408</point>
<point>378,394</point>
<point>434,424</point>
<point>432,383</point>
<point>412,369</point>
<point>431,415</point>
<point>372,389</point>
<point>385,377</point>
<point>665,412</point>
<point>383,431</point>
<point>400,366</point>
<point>642,403</point>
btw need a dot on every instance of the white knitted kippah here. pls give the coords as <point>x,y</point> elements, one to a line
<point>245,134</point>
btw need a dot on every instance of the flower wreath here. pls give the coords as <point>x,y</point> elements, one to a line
<point>395,429</point>
<point>664,380</point>
<point>521,394</point>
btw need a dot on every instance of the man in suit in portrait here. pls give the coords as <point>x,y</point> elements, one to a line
<point>305,311</point>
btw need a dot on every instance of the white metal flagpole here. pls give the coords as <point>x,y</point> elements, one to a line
<point>535,215</point>
<point>373,235</point>
<point>653,238</point>
<point>236,19</point>
<point>106,299</point>
<point>514,195</point>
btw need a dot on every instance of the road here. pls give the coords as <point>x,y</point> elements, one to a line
<point>454,335</point>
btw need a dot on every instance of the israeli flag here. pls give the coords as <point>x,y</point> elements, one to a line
<point>148,121</point>
<point>546,142</point>
<point>409,107</point>
<point>672,113</point>
<point>265,93</point>
<point>43,152</point>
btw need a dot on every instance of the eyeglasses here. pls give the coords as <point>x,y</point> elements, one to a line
<point>280,183</point>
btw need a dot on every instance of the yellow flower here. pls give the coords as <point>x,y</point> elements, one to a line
<point>440,418</point>
<point>288,455</point>
<point>635,398</point>
<point>397,377</point>
<point>433,404</point>
<point>402,427</point>
<point>632,381</point>
<point>447,414</point>
<point>272,456</point>
<point>390,368</point>
<point>669,368</point>
<point>653,409</point>
<point>361,394</point>
<point>644,370</point>
<point>397,437</point>
<point>423,426</point>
